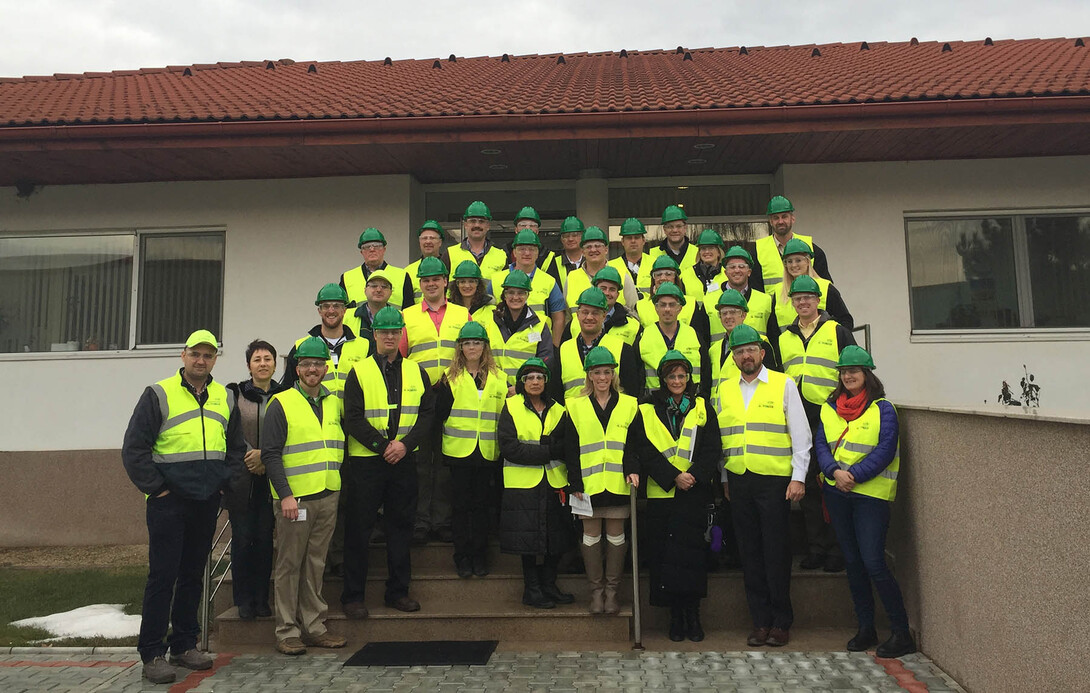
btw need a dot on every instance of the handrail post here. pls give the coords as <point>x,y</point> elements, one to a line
<point>206,597</point>
<point>636,628</point>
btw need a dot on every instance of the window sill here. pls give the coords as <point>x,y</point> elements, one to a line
<point>1073,334</point>
<point>141,353</point>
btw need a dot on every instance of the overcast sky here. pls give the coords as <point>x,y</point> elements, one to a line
<point>41,37</point>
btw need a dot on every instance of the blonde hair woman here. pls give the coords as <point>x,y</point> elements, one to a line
<point>798,261</point>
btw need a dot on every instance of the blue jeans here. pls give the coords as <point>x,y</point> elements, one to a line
<point>861,523</point>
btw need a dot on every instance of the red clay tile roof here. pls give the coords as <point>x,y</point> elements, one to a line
<point>701,78</point>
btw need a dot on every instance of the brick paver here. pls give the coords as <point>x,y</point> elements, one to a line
<point>571,672</point>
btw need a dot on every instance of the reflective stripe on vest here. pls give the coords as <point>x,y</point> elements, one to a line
<point>601,450</point>
<point>355,284</point>
<point>760,307</point>
<point>376,402</point>
<point>352,352</point>
<point>520,346</point>
<point>529,430</point>
<point>577,282</point>
<point>433,349</point>
<point>572,374</point>
<point>755,438</point>
<point>861,439</point>
<point>313,451</point>
<point>653,348</point>
<point>493,262</point>
<point>474,416</point>
<point>541,285</point>
<point>626,332</point>
<point>190,432</point>
<point>785,310</point>
<point>678,453</point>
<point>768,255</point>
<point>722,371</point>
<point>813,365</point>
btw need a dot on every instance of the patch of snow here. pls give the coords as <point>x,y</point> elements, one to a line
<point>96,620</point>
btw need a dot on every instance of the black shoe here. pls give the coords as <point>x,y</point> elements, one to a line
<point>480,566</point>
<point>420,536</point>
<point>677,624</point>
<point>865,639</point>
<point>547,578</point>
<point>262,610</point>
<point>407,604</point>
<point>444,534</point>
<point>898,645</point>
<point>833,564</point>
<point>813,561</point>
<point>335,569</point>
<point>464,566</point>
<point>533,596</point>
<point>693,630</point>
<point>246,613</point>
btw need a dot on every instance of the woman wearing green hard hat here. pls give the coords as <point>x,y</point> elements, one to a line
<point>468,399</point>
<point>680,455</point>
<point>468,290</point>
<point>797,262</point>
<point>857,446</point>
<point>534,520</point>
<point>602,461</point>
<point>707,274</point>
<point>516,331</point>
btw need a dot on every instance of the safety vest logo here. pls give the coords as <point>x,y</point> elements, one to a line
<point>767,404</point>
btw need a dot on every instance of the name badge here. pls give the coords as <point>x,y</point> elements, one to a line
<point>533,337</point>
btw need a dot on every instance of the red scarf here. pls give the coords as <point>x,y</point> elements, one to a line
<point>851,408</point>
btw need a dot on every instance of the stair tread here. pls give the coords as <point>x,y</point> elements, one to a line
<point>500,609</point>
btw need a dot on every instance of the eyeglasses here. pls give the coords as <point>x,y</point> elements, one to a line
<point>330,305</point>
<point>747,349</point>
<point>201,355</point>
<point>533,378</point>
<point>732,312</point>
<point>803,298</point>
<point>311,365</point>
<point>379,285</point>
<point>737,266</point>
<point>372,246</point>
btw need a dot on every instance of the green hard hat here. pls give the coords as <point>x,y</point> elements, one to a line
<point>855,356</point>
<point>517,279</point>
<point>599,356</point>
<point>526,237</point>
<point>572,225</point>
<point>593,233</point>
<point>312,348</point>
<point>472,330</point>
<point>673,213</point>
<point>607,274</point>
<point>467,269</point>
<point>388,318</point>
<point>370,235</point>
<point>710,237</point>
<point>431,224</point>
<point>732,297</point>
<point>478,209</point>
<point>674,356</point>
<point>431,267</point>
<point>664,261</point>
<point>633,227</point>
<point>527,213</point>
<point>804,285</point>
<point>740,252</point>
<point>331,292</point>
<point>593,297</point>
<point>533,364</point>
<point>797,246</point>
<point>779,204</point>
<point>668,289</point>
<point>744,334</point>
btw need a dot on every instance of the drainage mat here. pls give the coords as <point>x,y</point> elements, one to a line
<point>428,653</point>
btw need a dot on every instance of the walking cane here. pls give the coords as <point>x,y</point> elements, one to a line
<point>636,630</point>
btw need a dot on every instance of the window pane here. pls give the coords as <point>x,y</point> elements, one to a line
<point>65,293</point>
<point>181,286</point>
<point>961,273</point>
<point>1059,268</point>
<point>697,200</point>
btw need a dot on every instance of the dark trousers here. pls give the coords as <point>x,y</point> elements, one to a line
<point>252,547</point>
<point>761,515</point>
<point>820,538</point>
<point>180,534</point>
<point>371,483</point>
<point>861,523</point>
<point>434,509</point>
<point>471,495</point>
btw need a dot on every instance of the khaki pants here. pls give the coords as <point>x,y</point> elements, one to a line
<point>300,560</point>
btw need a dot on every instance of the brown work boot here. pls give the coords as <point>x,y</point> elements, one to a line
<point>592,558</point>
<point>326,639</point>
<point>291,646</point>
<point>355,611</point>
<point>778,637</point>
<point>758,637</point>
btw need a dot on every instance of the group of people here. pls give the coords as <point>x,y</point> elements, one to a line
<point>539,385</point>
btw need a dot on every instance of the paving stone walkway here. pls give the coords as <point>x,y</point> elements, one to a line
<point>563,672</point>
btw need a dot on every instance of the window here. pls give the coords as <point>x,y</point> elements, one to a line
<point>74,292</point>
<point>999,271</point>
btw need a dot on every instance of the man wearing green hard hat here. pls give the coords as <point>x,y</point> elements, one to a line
<point>528,219</point>
<point>570,256</point>
<point>429,237</point>
<point>545,297</point>
<point>675,244</point>
<point>634,243</point>
<point>619,320</point>
<point>595,245</point>
<point>768,268</point>
<point>590,313</point>
<point>182,448</point>
<point>372,245</point>
<point>475,245</point>
<point>378,290</point>
<point>738,266</point>
<point>345,347</point>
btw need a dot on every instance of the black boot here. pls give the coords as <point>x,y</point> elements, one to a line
<point>531,592</point>
<point>548,582</point>
<point>898,645</point>
<point>865,639</point>
<point>693,630</point>
<point>677,623</point>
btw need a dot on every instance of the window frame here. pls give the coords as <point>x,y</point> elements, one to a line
<point>137,235</point>
<point>1025,332</point>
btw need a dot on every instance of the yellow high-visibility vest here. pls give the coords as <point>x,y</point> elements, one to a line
<point>678,453</point>
<point>512,352</point>
<point>492,263</point>
<point>578,281</point>
<point>313,451</point>
<point>785,310</point>
<point>645,310</point>
<point>355,284</point>
<point>653,348</point>
<point>190,432</point>
<point>376,400</point>
<point>601,450</point>
<point>813,365</point>
<point>760,307</point>
<point>768,255</point>
<point>572,374</point>
<point>474,416</point>
<point>860,441</point>
<point>541,285</point>
<point>433,349</point>
<point>352,352</point>
<point>755,438</point>
<point>696,289</point>
<point>529,429</point>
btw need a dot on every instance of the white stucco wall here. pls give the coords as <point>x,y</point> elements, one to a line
<point>284,239</point>
<point>856,214</point>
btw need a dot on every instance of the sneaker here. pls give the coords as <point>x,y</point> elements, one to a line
<point>326,639</point>
<point>192,659</point>
<point>291,646</point>
<point>158,671</point>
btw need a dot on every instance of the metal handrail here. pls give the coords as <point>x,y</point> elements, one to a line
<point>865,328</point>
<point>208,591</point>
<point>637,630</point>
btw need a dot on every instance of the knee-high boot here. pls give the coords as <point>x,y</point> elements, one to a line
<point>531,592</point>
<point>615,556</point>
<point>592,557</point>
<point>548,581</point>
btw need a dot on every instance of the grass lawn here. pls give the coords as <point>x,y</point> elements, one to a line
<point>31,592</point>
